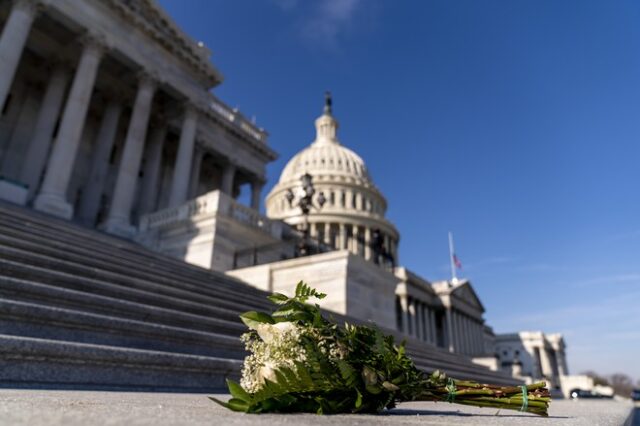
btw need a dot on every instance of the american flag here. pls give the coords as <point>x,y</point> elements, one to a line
<point>457,262</point>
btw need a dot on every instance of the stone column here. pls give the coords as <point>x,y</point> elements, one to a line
<point>449,321</point>
<point>256,193</point>
<point>455,330</point>
<point>119,220</point>
<point>228,176</point>
<point>427,323</point>
<point>416,319</point>
<point>355,242</point>
<point>547,371</point>
<point>349,201</point>
<point>463,332</point>
<point>405,314</point>
<point>473,336</point>
<point>367,243</point>
<point>196,166</point>
<point>562,363</point>
<point>327,233</point>
<point>421,328</point>
<point>432,326</point>
<point>52,195</point>
<point>468,333</point>
<point>182,168</point>
<point>151,173</point>
<point>343,236</point>
<point>313,230</point>
<point>92,193</point>
<point>12,41</point>
<point>412,318</point>
<point>458,332</point>
<point>36,156</point>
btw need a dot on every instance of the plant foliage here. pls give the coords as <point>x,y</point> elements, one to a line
<point>301,362</point>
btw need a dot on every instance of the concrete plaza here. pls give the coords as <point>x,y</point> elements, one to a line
<point>70,408</point>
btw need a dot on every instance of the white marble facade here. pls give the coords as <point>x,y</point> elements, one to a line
<point>533,356</point>
<point>106,114</point>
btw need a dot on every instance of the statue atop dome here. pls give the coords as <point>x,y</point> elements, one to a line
<point>328,103</point>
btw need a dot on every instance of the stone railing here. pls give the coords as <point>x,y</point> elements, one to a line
<point>249,216</point>
<point>234,116</point>
<point>215,202</point>
<point>186,211</point>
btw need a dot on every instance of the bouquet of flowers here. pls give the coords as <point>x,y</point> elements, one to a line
<point>302,362</point>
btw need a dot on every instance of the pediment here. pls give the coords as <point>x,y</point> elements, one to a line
<point>466,293</point>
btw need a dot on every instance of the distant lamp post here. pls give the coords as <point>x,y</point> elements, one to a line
<point>305,200</point>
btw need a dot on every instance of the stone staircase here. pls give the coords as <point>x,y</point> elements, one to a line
<point>81,309</point>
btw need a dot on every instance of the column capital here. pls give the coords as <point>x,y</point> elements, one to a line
<point>147,80</point>
<point>94,43</point>
<point>190,109</point>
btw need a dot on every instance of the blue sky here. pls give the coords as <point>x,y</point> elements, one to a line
<point>514,124</point>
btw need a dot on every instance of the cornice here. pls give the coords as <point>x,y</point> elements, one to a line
<point>147,16</point>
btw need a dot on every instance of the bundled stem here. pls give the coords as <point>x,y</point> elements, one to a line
<point>532,398</point>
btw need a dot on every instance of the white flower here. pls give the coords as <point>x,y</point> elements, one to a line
<point>269,332</point>
<point>267,371</point>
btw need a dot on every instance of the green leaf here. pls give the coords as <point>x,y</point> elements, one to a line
<point>304,292</point>
<point>278,298</point>
<point>238,391</point>
<point>237,405</point>
<point>252,319</point>
<point>373,389</point>
<point>358,399</point>
<point>217,401</point>
<point>281,379</point>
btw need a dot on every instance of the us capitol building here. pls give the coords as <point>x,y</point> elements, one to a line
<point>108,120</point>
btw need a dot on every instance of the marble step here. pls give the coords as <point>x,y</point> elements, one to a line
<point>225,322</point>
<point>55,323</point>
<point>90,262</point>
<point>44,363</point>
<point>429,361</point>
<point>430,355</point>
<point>63,273</point>
<point>55,229</point>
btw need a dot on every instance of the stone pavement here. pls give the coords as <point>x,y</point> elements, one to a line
<point>71,408</point>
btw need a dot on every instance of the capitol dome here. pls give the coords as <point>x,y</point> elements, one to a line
<point>327,157</point>
<point>353,216</point>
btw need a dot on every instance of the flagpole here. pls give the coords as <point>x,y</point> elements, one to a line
<point>454,278</point>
